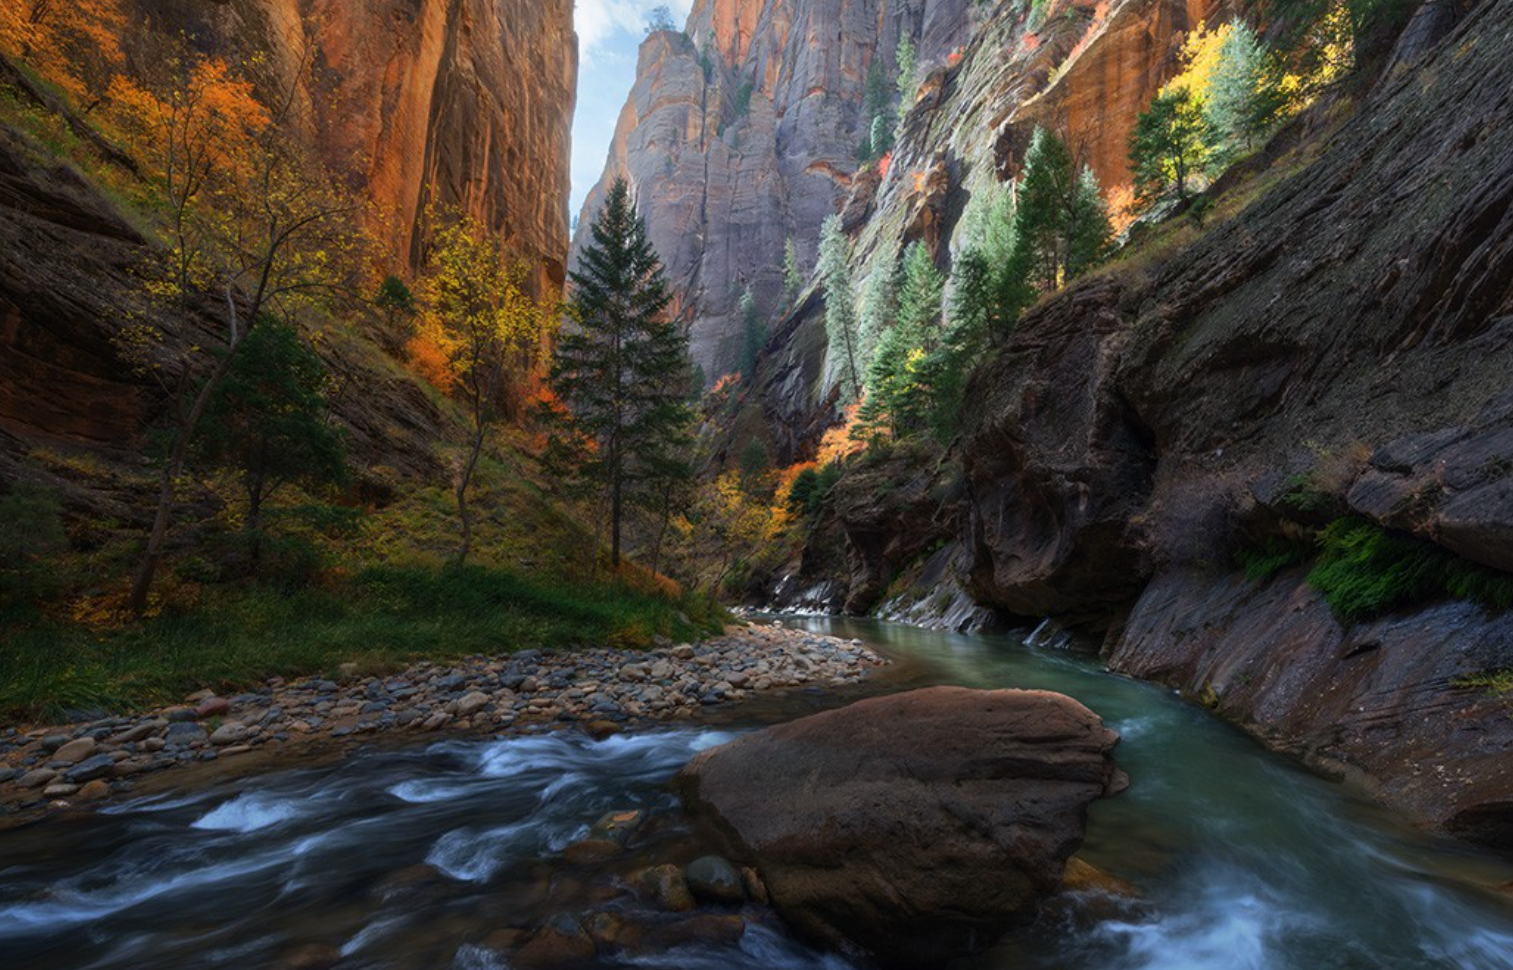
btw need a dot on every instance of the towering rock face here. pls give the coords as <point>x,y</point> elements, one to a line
<point>456,104</point>
<point>724,185</point>
<point>742,131</point>
<point>464,103</point>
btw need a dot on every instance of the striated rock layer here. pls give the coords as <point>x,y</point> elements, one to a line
<point>1138,428</point>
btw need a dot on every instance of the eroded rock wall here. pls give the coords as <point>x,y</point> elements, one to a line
<point>1136,428</point>
<point>462,102</point>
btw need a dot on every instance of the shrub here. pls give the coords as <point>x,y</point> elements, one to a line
<point>1365,571</point>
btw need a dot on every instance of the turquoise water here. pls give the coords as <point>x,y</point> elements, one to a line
<point>1246,861</point>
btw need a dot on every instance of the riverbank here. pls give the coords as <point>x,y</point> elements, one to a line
<point>604,691</point>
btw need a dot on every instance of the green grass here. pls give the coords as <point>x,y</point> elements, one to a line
<point>1498,683</point>
<point>1263,562</point>
<point>382,618</point>
<point>1365,571</point>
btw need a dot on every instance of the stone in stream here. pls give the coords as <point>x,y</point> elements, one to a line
<point>715,880</point>
<point>560,942</point>
<point>916,827</point>
<point>91,768</point>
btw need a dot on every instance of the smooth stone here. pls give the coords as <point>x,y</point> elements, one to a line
<point>231,732</point>
<point>37,777</point>
<point>713,879</point>
<point>471,704</point>
<point>76,750</point>
<point>212,707</point>
<point>91,768</point>
<point>59,790</point>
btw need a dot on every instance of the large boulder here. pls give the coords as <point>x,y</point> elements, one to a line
<point>913,827</point>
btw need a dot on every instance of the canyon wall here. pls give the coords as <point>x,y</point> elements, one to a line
<point>458,104</point>
<point>724,183</point>
<point>466,103</point>
<point>741,132</point>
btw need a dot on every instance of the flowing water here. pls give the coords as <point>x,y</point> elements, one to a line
<point>415,859</point>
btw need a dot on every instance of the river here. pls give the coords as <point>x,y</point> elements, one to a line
<point>412,858</point>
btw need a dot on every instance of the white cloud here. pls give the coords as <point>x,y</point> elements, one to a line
<point>599,21</point>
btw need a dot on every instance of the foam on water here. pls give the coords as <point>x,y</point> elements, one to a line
<point>248,813</point>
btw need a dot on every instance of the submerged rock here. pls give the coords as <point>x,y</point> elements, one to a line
<point>914,827</point>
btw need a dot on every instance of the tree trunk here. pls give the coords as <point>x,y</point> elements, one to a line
<point>615,505</point>
<point>142,585</point>
<point>255,522</point>
<point>656,556</point>
<point>462,494</point>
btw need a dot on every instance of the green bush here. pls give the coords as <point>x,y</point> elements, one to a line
<point>1264,561</point>
<point>1365,571</point>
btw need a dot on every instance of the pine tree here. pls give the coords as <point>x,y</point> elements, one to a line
<point>908,64</point>
<point>1089,230</point>
<point>840,308</point>
<point>897,390</point>
<point>1061,222</point>
<point>269,422</point>
<point>1169,143</point>
<point>793,280</point>
<point>1243,97</point>
<point>621,372</point>
<point>753,335</point>
<point>879,300</point>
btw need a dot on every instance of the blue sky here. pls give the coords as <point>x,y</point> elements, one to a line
<point>609,34</point>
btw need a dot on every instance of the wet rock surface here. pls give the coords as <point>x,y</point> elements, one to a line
<point>914,827</point>
<point>1391,703</point>
<point>603,691</point>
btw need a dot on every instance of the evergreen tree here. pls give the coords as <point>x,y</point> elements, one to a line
<point>753,333</point>
<point>840,308</point>
<point>919,296</point>
<point>897,389</point>
<point>269,421</point>
<point>1169,143</point>
<point>793,280</point>
<point>908,64</point>
<point>397,304</point>
<point>1061,221</point>
<point>621,372</point>
<point>880,141</point>
<point>1243,98</point>
<point>1089,229</point>
<point>879,300</point>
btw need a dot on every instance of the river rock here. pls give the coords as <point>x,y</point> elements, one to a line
<point>666,885</point>
<point>916,827</point>
<point>472,703</point>
<point>76,750</point>
<point>232,732</point>
<point>561,942</point>
<point>715,880</point>
<point>91,768</point>
<point>36,778</point>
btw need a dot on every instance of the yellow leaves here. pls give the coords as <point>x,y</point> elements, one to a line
<point>478,319</point>
<point>1199,59</point>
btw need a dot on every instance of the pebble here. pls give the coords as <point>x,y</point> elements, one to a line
<point>602,690</point>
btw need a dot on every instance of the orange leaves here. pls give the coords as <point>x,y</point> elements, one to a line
<point>1121,207</point>
<point>883,164</point>
<point>838,442</point>
<point>74,44</point>
<point>1030,43</point>
<point>429,361</point>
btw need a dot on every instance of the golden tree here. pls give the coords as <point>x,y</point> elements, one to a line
<point>253,220</point>
<point>486,330</point>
